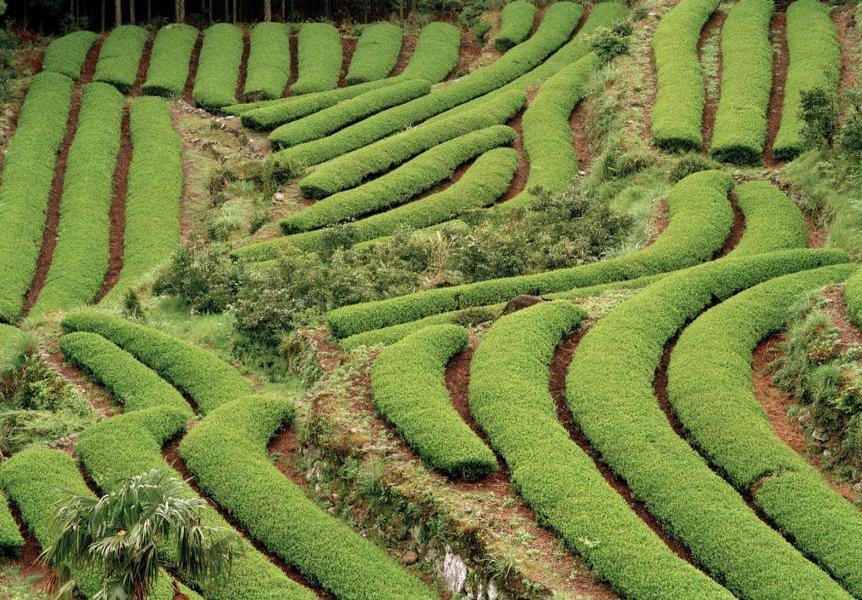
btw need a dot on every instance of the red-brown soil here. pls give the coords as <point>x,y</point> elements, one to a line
<point>348,46</point>
<point>294,64</point>
<point>522,173</point>
<point>243,65</point>
<point>194,61</point>
<point>580,139</point>
<point>716,21</point>
<point>780,60</point>
<point>844,19</point>
<point>816,235</point>
<point>143,66</point>
<point>408,45</point>
<point>659,223</point>
<point>27,562</point>
<point>736,231</point>
<point>468,54</point>
<point>97,396</point>
<point>283,446</point>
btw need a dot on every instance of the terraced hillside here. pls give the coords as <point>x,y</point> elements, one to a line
<point>473,304</point>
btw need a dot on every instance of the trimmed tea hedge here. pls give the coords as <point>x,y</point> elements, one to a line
<point>332,119</point>
<point>399,185</point>
<point>227,454</point>
<point>435,54</point>
<point>197,372</point>
<point>701,219</point>
<point>319,57</point>
<point>268,61</point>
<point>376,53</point>
<point>80,257</point>
<point>353,168</point>
<point>610,392</point>
<point>28,173</point>
<point>772,221</point>
<point>746,83</point>
<point>710,390</point>
<point>815,61</point>
<point>155,185</point>
<point>408,384</point>
<point>218,68</point>
<point>11,540</point>
<point>485,181</point>
<point>516,23</point>
<point>170,60</point>
<point>678,110</point>
<point>509,397</point>
<point>120,56</point>
<point>558,24</point>
<point>66,55</point>
<point>37,480</point>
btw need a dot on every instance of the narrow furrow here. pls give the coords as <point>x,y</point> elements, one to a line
<point>141,76</point>
<point>580,139</point>
<point>408,45</point>
<point>736,232</point>
<point>780,61</point>
<point>710,105</point>
<point>348,45</point>
<point>294,64</point>
<point>27,560</point>
<point>519,182</point>
<point>193,69</point>
<point>243,65</point>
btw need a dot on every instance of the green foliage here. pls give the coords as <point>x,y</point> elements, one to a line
<point>329,120</point>
<point>435,54</point>
<point>80,258</point>
<point>28,173</point>
<point>408,387</point>
<point>701,219</point>
<point>227,454</point>
<point>511,402</point>
<point>155,186</point>
<point>610,42</point>
<point>119,57</point>
<point>678,110</point>
<point>197,372</point>
<point>207,281</point>
<point>691,163</point>
<point>268,61</point>
<point>401,184</point>
<point>815,62</point>
<point>818,111</point>
<point>746,83</point>
<point>169,61</point>
<point>66,55</point>
<point>772,221</point>
<point>11,541</point>
<point>850,135</point>
<point>610,392</point>
<point>516,23</point>
<point>376,53</point>
<point>218,68</point>
<point>319,58</point>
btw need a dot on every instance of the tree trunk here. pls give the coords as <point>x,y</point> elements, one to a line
<point>180,11</point>
<point>267,10</point>
<point>283,10</point>
<point>132,12</point>
<point>118,13</point>
<point>401,12</point>
<point>234,11</point>
<point>412,7</point>
<point>104,9</point>
<point>149,10</point>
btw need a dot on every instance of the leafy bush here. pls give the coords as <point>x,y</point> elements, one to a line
<point>772,221</point>
<point>66,55</point>
<point>818,110</point>
<point>80,258</point>
<point>169,61</point>
<point>207,281</point>
<point>408,387</point>
<point>610,392</point>
<point>610,42</point>
<point>27,177</point>
<point>850,136</point>
<point>120,55</point>
<point>319,58</point>
<point>218,68</point>
<point>746,83</point>
<point>227,454</point>
<point>689,164</point>
<point>815,62</point>
<point>376,53</point>
<point>268,61</point>
<point>678,110</point>
<point>516,23</point>
<point>435,54</point>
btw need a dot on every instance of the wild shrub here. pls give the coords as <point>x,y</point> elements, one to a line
<point>818,111</point>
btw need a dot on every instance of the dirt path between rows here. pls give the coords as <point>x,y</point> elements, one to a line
<point>194,61</point>
<point>348,46</point>
<point>522,172</point>
<point>243,66</point>
<point>710,107</point>
<point>27,562</point>
<point>736,232</point>
<point>143,66</point>
<point>294,64</point>
<point>580,139</point>
<point>408,46</point>
<point>780,61</point>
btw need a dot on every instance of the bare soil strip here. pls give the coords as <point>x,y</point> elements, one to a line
<point>243,66</point>
<point>580,139</point>
<point>408,45</point>
<point>736,231</point>
<point>194,61</point>
<point>716,22</point>
<point>468,53</point>
<point>27,562</point>
<point>143,66</point>
<point>522,173</point>
<point>780,60</point>
<point>294,64</point>
<point>348,45</point>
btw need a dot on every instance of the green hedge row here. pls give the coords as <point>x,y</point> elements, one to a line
<point>746,83</point>
<point>329,120</point>
<point>196,372</point>
<point>710,390</point>
<point>28,173</point>
<point>680,97</point>
<point>268,61</point>
<point>353,168</point>
<point>558,24</point>
<point>153,195</point>
<point>227,454</point>
<point>320,55</point>
<point>547,132</point>
<point>67,54</point>
<point>399,185</point>
<point>376,53</point>
<point>218,68</point>
<point>485,181</point>
<point>610,392</point>
<point>435,54</point>
<point>408,386</point>
<point>509,397</point>
<point>516,23</point>
<point>120,56</point>
<point>815,61</point>
<point>853,298</point>
<point>772,221</point>
<point>80,258</point>
<point>11,540</point>
<point>170,60</point>
<point>701,219</point>
<point>37,480</point>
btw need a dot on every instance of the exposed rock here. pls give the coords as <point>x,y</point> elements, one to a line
<point>454,572</point>
<point>409,557</point>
